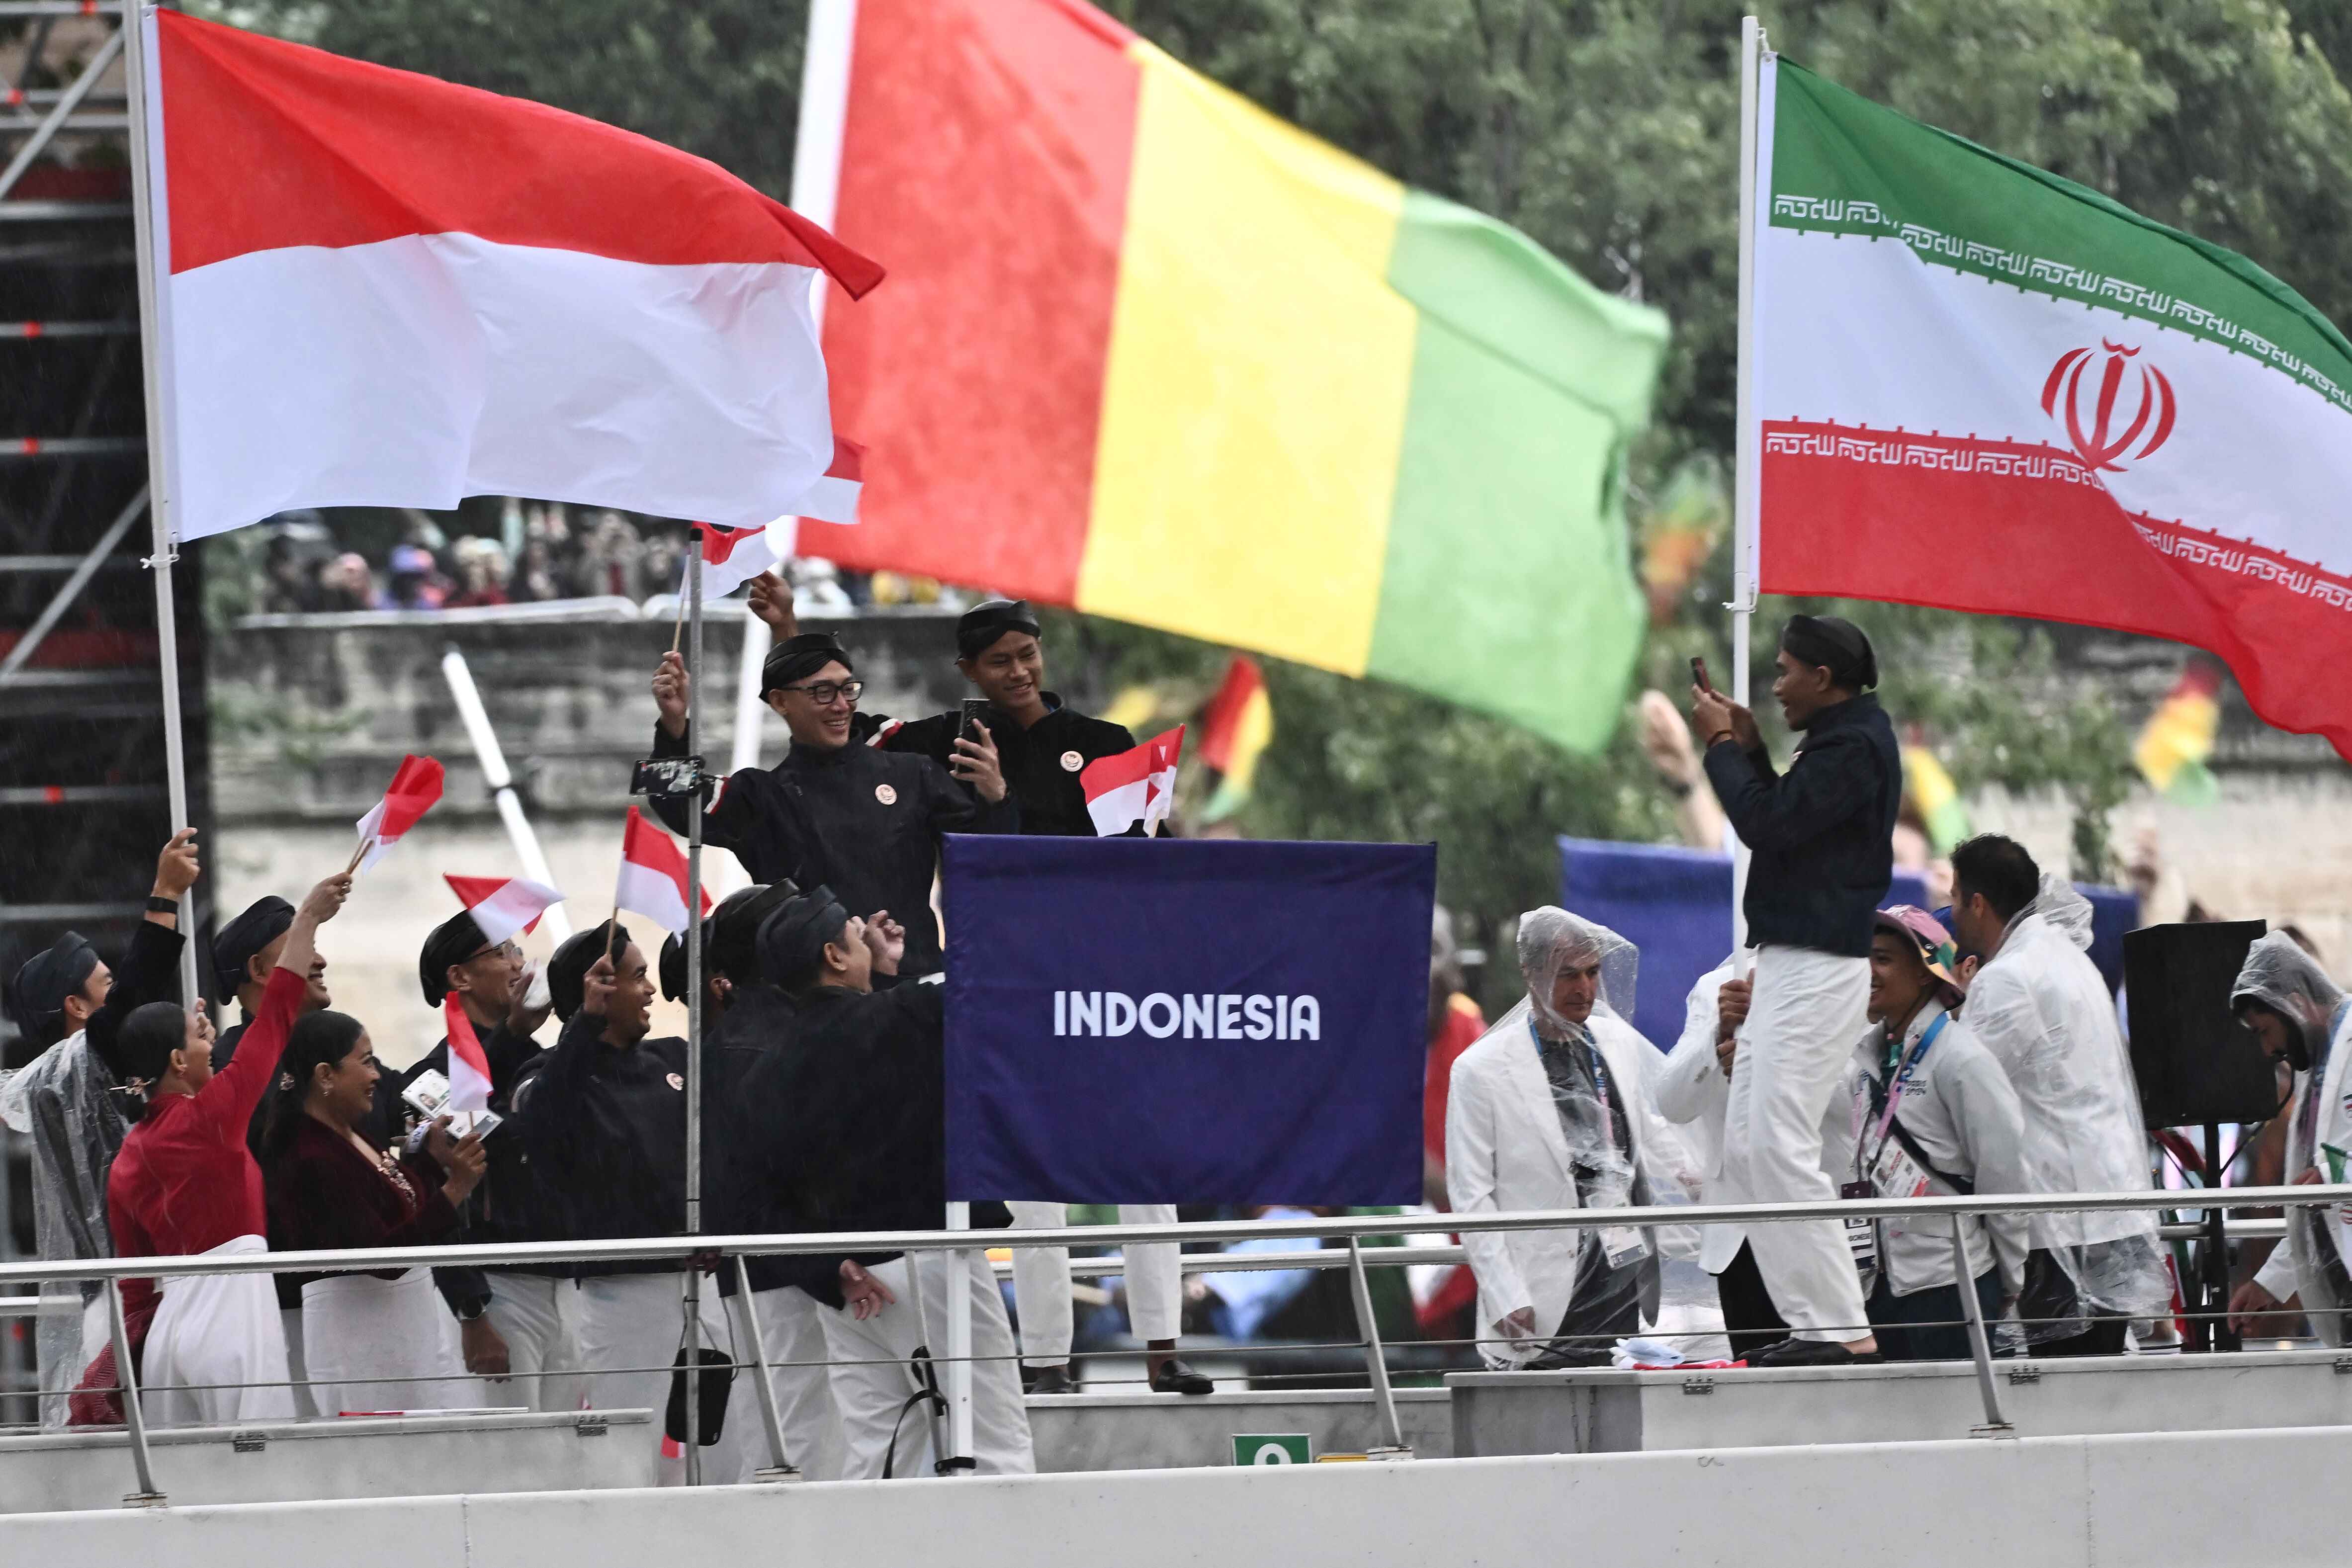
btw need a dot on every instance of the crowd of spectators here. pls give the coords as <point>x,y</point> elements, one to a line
<point>318,562</point>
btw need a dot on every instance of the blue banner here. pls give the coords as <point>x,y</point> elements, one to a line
<point>1197,1021</point>
<point>1675,904</point>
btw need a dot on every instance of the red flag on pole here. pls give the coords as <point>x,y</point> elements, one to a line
<point>1133,786</point>
<point>653,875</point>
<point>503,906</point>
<point>415,786</point>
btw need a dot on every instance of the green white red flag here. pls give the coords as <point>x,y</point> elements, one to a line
<point>1983,387</point>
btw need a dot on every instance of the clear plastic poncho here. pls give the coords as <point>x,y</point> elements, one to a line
<point>63,1100</point>
<point>1551,940</point>
<point>2046,1012</point>
<point>2289,981</point>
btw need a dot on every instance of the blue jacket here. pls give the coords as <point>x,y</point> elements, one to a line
<point>1821,833</point>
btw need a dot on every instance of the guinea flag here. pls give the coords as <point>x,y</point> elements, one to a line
<point>377,288</point>
<point>1151,352</point>
<point>1983,387</point>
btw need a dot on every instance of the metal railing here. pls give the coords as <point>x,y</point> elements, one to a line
<point>709,1251</point>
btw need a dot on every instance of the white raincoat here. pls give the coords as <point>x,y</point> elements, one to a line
<point>1507,1150</point>
<point>2314,1262</point>
<point>2041,1008</point>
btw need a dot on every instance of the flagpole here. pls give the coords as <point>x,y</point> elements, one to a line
<point>148,182</point>
<point>694,1016</point>
<point>816,185</point>
<point>1748,462</point>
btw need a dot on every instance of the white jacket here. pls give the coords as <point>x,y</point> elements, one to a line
<point>2295,1268</point>
<point>1693,1093</point>
<point>1505,1152</point>
<point>1959,1108</point>
<point>2039,1006</point>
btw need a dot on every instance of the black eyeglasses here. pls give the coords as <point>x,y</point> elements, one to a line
<point>824,693</point>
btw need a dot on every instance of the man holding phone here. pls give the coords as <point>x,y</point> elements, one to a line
<point>864,821</point>
<point>1821,838</point>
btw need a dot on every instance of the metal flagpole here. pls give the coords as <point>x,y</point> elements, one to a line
<point>693,1015</point>
<point>817,184</point>
<point>150,198</point>
<point>1748,463</point>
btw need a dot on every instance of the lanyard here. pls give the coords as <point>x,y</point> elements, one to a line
<point>1592,1059</point>
<point>1895,1076</point>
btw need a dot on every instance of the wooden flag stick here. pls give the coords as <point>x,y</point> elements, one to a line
<point>358,854</point>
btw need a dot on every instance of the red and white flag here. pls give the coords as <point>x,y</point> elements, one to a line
<point>731,557</point>
<point>653,875</point>
<point>376,287</point>
<point>503,906</point>
<point>415,786</point>
<point>1133,786</point>
<point>469,1065</point>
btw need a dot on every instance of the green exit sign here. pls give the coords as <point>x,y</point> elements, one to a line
<point>1272,1448</point>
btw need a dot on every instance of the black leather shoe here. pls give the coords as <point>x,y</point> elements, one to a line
<point>1814,1352</point>
<point>1560,1358</point>
<point>1054,1379</point>
<point>1175,1376</point>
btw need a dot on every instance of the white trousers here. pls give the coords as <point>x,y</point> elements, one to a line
<point>1040,1281</point>
<point>872,1375</point>
<point>372,1344</point>
<point>529,1310</point>
<point>638,1320</point>
<point>1808,1011</point>
<point>216,1353</point>
<point>792,1329</point>
<point>289,1319</point>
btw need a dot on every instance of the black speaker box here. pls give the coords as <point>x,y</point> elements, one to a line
<point>2195,1061</point>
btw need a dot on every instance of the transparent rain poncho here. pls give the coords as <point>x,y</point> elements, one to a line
<point>1550,941</point>
<point>2045,1014</point>
<point>63,1101</point>
<point>2289,981</point>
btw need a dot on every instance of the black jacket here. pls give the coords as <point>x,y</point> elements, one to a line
<point>758,1024</point>
<point>606,1132</point>
<point>1041,763</point>
<point>865,822</point>
<point>853,1114</point>
<point>1821,834</point>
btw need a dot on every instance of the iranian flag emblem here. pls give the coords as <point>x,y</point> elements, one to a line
<point>1983,387</point>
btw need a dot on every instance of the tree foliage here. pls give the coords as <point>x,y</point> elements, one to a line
<point>1608,131</point>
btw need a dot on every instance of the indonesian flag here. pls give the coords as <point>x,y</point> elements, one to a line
<point>1983,387</point>
<point>469,1066</point>
<point>415,786</point>
<point>375,287</point>
<point>653,875</point>
<point>1133,786</point>
<point>730,557</point>
<point>503,906</point>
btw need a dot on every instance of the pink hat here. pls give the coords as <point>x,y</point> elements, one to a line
<point>1934,944</point>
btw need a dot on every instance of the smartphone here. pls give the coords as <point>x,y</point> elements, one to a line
<point>1698,675</point>
<point>975,710</point>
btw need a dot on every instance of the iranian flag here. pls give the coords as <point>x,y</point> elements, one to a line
<point>1982,387</point>
<point>1138,785</point>
<point>375,287</point>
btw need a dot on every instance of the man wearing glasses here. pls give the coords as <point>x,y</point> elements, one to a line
<point>508,1315</point>
<point>865,822</point>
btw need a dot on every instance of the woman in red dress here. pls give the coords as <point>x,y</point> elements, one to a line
<point>381,1340</point>
<point>184,1184</point>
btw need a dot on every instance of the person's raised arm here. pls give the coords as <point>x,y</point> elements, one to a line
<point>151,968</point>
<point>952,806</point>
<point>238,1088</point>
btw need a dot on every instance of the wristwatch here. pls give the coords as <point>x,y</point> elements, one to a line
<point>160,905</point>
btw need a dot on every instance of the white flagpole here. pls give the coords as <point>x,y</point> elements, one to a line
<point>1749,468</point>
<point>817,187</point>
<point>496,774</point>
<point>695,1021</point>
<point>150,197</point>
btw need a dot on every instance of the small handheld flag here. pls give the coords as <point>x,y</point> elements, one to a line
<point>415,787</point>
<point>653,875</point>
<point>1133,786</point>
<point>503,906</point>
<point>469,1065</point>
